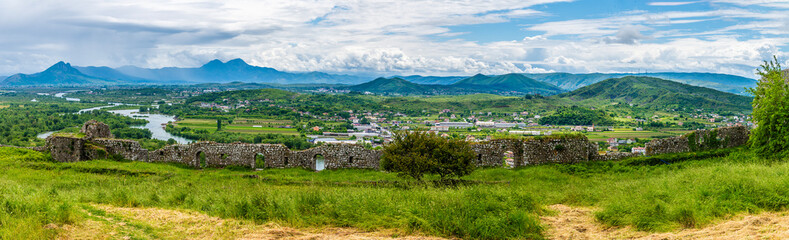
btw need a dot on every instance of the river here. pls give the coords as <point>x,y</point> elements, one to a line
<point>156,122</point>
<point>62,95</point>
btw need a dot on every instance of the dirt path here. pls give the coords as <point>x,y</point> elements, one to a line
<point>108,222</point>
<point>578,223</point>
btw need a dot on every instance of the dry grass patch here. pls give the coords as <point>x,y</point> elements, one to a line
<point>110,222</point>
<point>579,223</point>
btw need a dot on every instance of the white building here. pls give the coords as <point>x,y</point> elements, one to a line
<point>641,150</point>
<point>455,124</point>
<point>485,124</point>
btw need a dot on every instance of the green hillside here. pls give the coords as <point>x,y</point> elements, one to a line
<point>395,86</point>
<point>658,93</point>
<point>508,83</point>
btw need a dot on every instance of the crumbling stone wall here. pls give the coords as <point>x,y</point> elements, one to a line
<point>488,154</point>
<point>128,149</point>
<point>336,156</point>
<point>526,151</point>
<point>93,129</point>
<point>725,137</point>
<point>491,153</point>
<point>530,151</point>
<point>558,150</point>
<point>66,149</point>
<point>667,145</point>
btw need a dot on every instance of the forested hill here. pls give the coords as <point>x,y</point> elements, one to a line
<point>658,93</point>
<point>397,86</point>
<point>508,82</point>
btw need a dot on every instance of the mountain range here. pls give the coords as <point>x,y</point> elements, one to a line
<point>236,70</point>
<point>507,84</point>
<point>59,74</point>
<point>722,82</point>
<point>63,74</point>
<point>572,81</point>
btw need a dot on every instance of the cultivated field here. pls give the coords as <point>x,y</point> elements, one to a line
<point>249,126</point>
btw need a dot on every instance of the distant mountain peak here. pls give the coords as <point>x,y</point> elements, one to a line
<point>237,61</point>
<point>213,63</point>
<point>63,67</point>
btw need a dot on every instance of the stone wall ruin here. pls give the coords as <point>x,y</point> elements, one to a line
<point>526,151</point>
<point>725,137</point>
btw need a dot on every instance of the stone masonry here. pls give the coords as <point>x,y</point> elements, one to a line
<point>94,129</point>
<point>98,143</point>
<point>725,137</point>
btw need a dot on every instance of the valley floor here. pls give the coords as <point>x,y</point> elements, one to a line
<point>735,196</point>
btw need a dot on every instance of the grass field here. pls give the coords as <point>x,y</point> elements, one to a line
<point>35,193</point>
<point>245,126</point>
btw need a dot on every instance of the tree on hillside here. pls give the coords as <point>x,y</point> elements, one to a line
<point>771,111</point>
<point>415,154</point>
<point>577,116</point>
<point>218,124</point>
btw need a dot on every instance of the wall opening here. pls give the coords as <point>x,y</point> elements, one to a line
<point>202,159</point>
<point>286,161</point>
<point>260,161</point>
<point>223,156</point>
<point>320,162</point>
<point>350,159</point>
<point>509,159</point>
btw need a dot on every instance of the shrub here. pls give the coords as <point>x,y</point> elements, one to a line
<point>770,99</point>
<point>418,153</point>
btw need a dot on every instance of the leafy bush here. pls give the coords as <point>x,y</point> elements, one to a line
<point>418,153</point>
<point>771,98</point>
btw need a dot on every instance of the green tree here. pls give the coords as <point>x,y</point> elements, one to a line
<point>771,111</point>
<point>218,124</point>
<point>415,154</point>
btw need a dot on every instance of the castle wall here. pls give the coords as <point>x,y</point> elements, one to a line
<point>527,151</point>
<point>725,137</point>
<point>66,149</point>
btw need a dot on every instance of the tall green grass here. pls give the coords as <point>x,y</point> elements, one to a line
<point>647,194</point>
<point>293,197</point>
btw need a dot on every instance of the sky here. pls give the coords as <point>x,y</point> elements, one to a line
<point>399,37</point>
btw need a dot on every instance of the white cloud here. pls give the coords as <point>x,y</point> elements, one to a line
<point>671,3</point>
<point>628,35</point>
<point>383,36</point>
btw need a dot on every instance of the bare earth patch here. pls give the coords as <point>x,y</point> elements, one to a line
<point>109,222</point>
<point>579,223</point>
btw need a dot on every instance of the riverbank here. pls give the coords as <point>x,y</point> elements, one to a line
<point>156,122</point>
